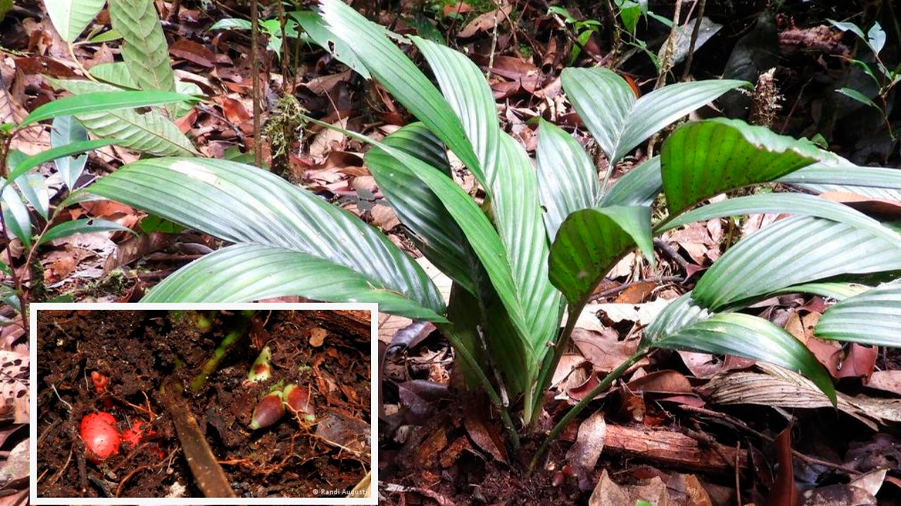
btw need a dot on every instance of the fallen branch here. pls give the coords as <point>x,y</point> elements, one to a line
<point>672,448</point>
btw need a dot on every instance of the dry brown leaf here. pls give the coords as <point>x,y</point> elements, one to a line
<point>14,471</point>
<point>661,382</point>
<point>586,451</point>
<point>787,389</point>
<point>317,337</point>
<point>328,140</point>
<point>887,381</point>
<point>608,493</point>
<point>14,385</point>
<point>389,325</point>
<point>603,349</point>
<point>193,52</point>
<point>705,365</point>
<point>485,22</point>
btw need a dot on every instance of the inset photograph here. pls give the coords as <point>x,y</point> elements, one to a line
<point>244,402</point>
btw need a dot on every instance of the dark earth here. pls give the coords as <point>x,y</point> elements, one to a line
<point>138,350</point>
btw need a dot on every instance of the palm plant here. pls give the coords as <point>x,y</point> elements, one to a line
<point>527,259</point>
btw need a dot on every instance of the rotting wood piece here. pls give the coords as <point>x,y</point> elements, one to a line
<point>356,323</point>
<point>672,448</point>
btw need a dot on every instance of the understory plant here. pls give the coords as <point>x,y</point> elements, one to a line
<point>525,258</point>
<point>25,194</point>
<point>128,104</point>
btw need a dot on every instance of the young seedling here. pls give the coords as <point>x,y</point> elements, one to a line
<point>261,370</point>
<point>101,439</point>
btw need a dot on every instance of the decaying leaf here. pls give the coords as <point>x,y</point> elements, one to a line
<point>787,389</point>
<point>14,385</point>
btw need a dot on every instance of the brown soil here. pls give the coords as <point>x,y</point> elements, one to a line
<point>138,350</point>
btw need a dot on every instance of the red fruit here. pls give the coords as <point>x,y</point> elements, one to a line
<point>137,434</point>
<point>101,439</point>
<point>298,401</point>
<point>100,380</point>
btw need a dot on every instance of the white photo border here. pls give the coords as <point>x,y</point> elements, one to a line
<point>185,501</point>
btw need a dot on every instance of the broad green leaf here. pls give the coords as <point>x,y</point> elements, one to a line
<point>830,289</point>
<point>107,36</point>
<point>34,190</point>
<point>145,49</point>
<point>49,155</point>
<point>873,317</point>
<point>243,204</point>
<point>71,17</point>
<point>518,219</point>
<point>591,241</point>
<point>512,185</point>
<point>480,234</point>
<point>638,187</point>
<point>876,37</point>
<point>66,130</point>
<point>872,182</point>
<point>312,23</point>
<point>148,132</point>
<point>80,226</point>
<point>751,337</point>
<point>248,272</point>
<point>679,314</point>
<point>706,158</point>
<point>789,252</point>
<point>102,102</point>
<point>117,74</point>
<point>846,26</point>
<point>10,297</point>
<point>16,220</point>
<point>418,208</point>
<point>618,120</point>
<point>465,89</point>
<point>397,73</point>
<point>231,24</point>
<point>567,179</point>
<point>859,97</point>
<point>793,203</point>
<point>114,73</point>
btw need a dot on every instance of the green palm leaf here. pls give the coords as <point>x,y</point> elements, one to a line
<point>618,120</point>
<point>872,317</point>
<point>243,204</point>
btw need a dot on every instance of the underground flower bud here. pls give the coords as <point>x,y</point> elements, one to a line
<point>269,410</point>
<point>297,399</point>
<point>101,438</point>
<point>261,370</point>
<point>100,381</point>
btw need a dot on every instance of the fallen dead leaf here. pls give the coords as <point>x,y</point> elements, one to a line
<point>705,365</point>
<point>787,389</point>
<point>485,22</point>
<point>193,52</point>
<point>586,451</point>
<point>317,337</point>
<point>608,493</point>
<point>603,349</point>
<point>784,491</point>
<point>661,382</point>
<point>14,385</point>
<point>887,381</point>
